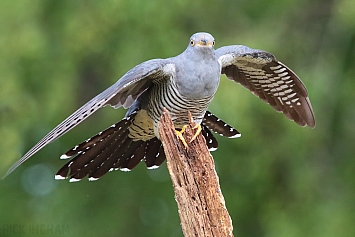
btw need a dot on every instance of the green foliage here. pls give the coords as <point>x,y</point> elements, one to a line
<point>278,179</point>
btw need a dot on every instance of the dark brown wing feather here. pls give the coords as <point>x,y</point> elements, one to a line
<point>269,79</point>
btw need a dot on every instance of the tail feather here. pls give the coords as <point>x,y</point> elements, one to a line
<point>62,172</point>
<point>211,141</point>
<point>126,155</point>
<point>218,126</point>
<point>113,149</point>
<point>109,157</point>
<point>98,154</point>
<point>160,158</point>
<point>136,157</point>
<point>154,155</point>
<point>93,152</point>
<point>100,138</point>
<point>86,162</point>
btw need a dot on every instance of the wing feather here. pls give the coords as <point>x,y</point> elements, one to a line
<point>269,79</point>
<point>123,93</point>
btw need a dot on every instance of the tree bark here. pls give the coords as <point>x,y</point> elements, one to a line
<point>200,201</point>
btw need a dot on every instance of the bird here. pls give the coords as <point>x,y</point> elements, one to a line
<point>186,82</point>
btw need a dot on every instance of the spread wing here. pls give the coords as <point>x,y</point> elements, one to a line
<point>269,79</point>
<point>122,93</point>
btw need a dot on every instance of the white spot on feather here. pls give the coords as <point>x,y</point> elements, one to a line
<point>236,135</point>
<point>280,70</point>
<point>275,68</point>
<point>283,74</point>
<point>59,177</point>
<point>292,95</point>
<point>64,156</point>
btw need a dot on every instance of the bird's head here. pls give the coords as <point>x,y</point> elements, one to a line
<point>202,40</point>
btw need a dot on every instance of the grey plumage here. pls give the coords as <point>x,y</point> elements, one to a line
<point>183,83</point>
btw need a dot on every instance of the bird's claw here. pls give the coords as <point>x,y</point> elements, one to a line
<point>199,129</point>
<point>179,134</point>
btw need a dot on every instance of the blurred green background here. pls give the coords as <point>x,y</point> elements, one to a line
<point>278,179</point>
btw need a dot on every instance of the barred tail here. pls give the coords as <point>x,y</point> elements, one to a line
<point>113,149</point>
<point>218,126</point>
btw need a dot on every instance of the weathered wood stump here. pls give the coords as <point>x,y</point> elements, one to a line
<point>200,201</point>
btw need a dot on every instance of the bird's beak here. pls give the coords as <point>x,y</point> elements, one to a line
<point>203,42</point>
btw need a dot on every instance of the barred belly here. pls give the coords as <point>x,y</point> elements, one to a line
<point>166,95</point>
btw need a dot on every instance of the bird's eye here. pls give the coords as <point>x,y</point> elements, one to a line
<point>192,42</point>
<point>213,43</point>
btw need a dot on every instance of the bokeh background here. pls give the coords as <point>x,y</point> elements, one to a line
<point>278,179</point>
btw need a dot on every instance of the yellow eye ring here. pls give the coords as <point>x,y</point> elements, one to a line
<point>192,42</point>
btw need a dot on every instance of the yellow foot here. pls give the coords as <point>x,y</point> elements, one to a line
<point>179,134</point>
<point>199,129</point>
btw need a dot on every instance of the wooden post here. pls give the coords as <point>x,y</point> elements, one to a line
<point>200,201</point>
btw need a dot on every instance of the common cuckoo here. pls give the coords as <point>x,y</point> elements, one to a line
<point>187,82</point>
